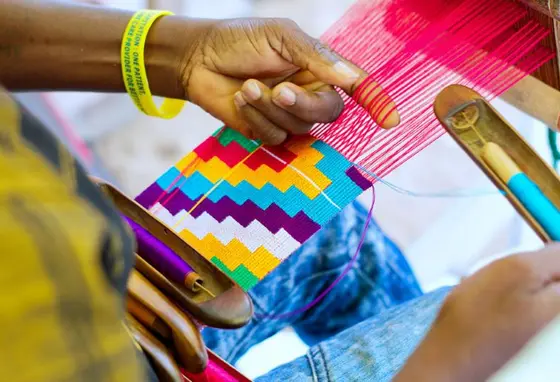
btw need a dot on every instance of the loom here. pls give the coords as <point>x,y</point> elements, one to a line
<point>539,94</point>
<point>222,230</point>
<point>165,317</point>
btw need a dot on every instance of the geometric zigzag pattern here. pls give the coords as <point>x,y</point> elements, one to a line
<point>246,207</point>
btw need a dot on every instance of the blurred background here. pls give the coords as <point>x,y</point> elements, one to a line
<point>445,239</point>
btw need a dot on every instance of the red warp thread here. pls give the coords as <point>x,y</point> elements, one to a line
<point>413,49</point>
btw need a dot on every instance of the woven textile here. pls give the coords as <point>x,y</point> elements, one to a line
<point>247,207</point>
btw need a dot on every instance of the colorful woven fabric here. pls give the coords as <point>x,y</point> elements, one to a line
<point>247,207</point>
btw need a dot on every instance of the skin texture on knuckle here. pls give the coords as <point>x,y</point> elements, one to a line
<point>517,269</point>
<point>292,43</point>
<point>267,134</point>
<point>324,113</point>
<point>279,37</point>
<point>323,51</point>
<point>273,138</point>
<point>287,23</point>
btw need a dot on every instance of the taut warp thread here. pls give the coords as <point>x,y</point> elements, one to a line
<point>419,48</point>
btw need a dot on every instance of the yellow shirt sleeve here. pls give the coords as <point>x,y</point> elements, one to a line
<point>61,317</point>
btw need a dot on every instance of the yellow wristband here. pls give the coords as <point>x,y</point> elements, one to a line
<point>134,69</point>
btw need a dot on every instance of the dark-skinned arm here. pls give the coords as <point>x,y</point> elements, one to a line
<point>46,45</point>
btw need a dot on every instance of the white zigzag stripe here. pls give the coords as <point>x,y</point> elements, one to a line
<point>280,244</point>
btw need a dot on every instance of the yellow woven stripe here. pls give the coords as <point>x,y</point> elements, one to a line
<point>234,254</point>
<point>188,164</point>
<point>214,170</point>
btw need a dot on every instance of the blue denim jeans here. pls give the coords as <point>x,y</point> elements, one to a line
<point>364,330</point>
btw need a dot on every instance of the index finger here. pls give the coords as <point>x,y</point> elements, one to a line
<point>329,67</point>
<point>361,86</point>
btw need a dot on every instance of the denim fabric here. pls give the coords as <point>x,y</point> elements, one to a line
<point>373,350</point>
<point>356,327</point>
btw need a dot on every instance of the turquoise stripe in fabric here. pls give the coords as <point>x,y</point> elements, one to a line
<point>334,165</point>
<point>292,201</point>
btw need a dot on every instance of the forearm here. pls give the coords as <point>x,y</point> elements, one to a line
<point>61,46</point>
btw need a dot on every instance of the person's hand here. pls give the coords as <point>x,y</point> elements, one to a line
<point>488,318</point>
<point>267,79</point>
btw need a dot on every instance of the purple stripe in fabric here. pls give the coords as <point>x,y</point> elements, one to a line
<point>300,227</point>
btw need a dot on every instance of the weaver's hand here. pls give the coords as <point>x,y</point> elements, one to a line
<point>488,318</point>
<point>267,79</point>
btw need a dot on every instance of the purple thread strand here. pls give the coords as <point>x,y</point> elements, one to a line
<point>159,255</point>
<point>344,273</point>
<point>300,226</point>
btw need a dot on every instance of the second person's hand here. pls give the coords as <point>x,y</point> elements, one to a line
<point>488,318</point>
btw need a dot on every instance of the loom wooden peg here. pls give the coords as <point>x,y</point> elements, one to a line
<point>164,365</point>
<point>148,318</point>
<point>472,122</point>
<point>228,306</point>
<point>187,340</point>
<point>211,311</point>
<point>547,14</point>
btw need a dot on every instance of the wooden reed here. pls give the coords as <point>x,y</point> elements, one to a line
<point>551,8</point>
<point>547,12</point>
<point>537,99</point>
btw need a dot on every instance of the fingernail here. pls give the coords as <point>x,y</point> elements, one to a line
<point>345,70</point>
<point>252,91</point>
<point>239,100</point>
<point>286,96</point>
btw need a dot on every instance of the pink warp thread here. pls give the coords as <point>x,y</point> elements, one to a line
<point>216,371</point>
<point>413,49</point>
<point>419,48</point>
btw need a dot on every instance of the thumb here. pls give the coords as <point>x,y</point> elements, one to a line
<point>332,69</point>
